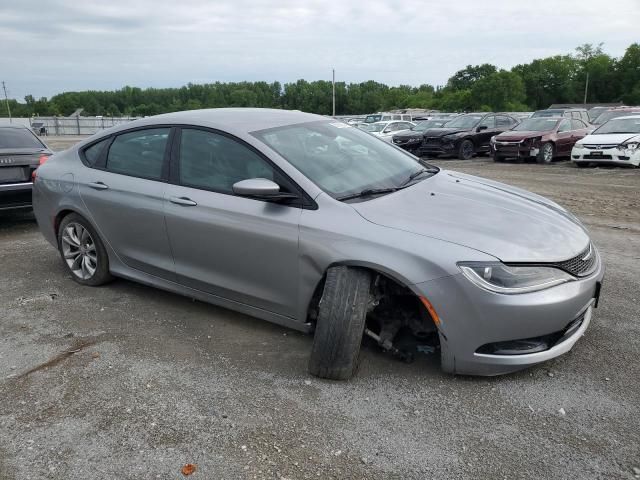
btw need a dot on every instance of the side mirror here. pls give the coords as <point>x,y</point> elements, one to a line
<point>481,127</point>
<point>260,188</point>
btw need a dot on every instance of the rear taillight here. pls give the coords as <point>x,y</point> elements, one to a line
<point>41,160</point>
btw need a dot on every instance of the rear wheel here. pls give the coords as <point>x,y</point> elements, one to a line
<point>341,321</point>
<point>466,150</point>
<point>82,251</point>
<point>545,155</point>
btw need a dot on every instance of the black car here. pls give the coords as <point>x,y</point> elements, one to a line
<point>465,135</point>
<point>21,152</point>
<point>412,139</point>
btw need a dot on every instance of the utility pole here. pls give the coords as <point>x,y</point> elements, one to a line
<point>586,88</point>
<point>333,88</point>
<point>6,99</point>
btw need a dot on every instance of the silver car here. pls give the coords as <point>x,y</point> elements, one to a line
<point>315,225</point>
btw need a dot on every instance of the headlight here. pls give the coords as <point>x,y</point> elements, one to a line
<point>499,278</point>
<point>450,138</point>
<point>578,145</point>
<point>633,145</point>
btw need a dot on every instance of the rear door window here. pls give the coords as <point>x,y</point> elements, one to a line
<point>577,124</point>
<point>139,154</point>
<point>489,122</point>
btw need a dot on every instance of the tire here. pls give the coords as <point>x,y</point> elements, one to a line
<point>82,251</point>
<point>496,157</point>
<point>546,153</point>
<point>466,150</point>
<point>341,321</point>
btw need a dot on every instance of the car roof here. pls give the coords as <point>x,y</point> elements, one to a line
<point>626,117</point>
<point>239,119</point>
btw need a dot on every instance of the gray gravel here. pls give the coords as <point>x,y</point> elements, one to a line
<point>141,382</point>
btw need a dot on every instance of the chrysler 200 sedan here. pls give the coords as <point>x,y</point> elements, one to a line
<point>315,225</point>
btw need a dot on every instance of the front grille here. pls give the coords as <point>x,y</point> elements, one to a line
<point>598,157</point>
<point>432,140</point>
<point>582,264</point>
<point>599,147</point>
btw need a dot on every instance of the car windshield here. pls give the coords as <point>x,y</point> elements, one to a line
<point>608,115</point>
<point>464,121</point>
<point>619,125</point>
<point>372,118</point>
<point>536,125</point>
<point>340,159</point>
<point>548,113</point>
<point>427,124</point>
<point>373,127</point>
<point>18,138</point>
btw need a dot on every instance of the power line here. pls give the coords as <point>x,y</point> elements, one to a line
<point>6,99</point>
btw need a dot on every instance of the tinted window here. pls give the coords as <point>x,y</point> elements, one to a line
<point>18,138</point>
<point>565,126</point>
<point>215,162</point>
<point>489,122</point>
<point>139,154</point>
<point>92,154</point>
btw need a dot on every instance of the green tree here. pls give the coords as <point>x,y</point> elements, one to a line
<point>465,79</point>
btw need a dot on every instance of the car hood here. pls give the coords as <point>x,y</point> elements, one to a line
<point>440,132</point>
<point>517,136</point>
<point>506,222</point>
<point>408,134</point>
<point>607,138</point>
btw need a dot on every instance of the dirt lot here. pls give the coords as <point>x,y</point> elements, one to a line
<point>140,382</point>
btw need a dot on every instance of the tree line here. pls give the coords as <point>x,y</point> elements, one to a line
<point>525,87</point>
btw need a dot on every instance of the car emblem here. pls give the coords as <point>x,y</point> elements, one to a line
<point>588,255</point>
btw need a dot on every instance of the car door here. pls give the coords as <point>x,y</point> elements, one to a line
<point>564,140</point>
<point>123,191</point>
<point>237,248</point>
<point>483,136</point>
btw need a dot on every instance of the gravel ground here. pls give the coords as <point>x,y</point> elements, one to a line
<point>126,381</point>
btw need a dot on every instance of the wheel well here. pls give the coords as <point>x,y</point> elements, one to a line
<point>392,307</point>
<point>58,220</point>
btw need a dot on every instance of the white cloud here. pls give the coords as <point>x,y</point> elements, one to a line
<point>62,45</point>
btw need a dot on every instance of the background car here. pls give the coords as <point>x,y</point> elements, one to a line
<point>579,113</point>
<point>542,138</point>
<point>465,135</point>
<point>386,130</point>
<point>616,142</point>
<point>21,152</point>
<point>614,113</point>
<point>411,139</point>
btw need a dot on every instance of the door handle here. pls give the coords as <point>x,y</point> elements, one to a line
<point>98,186</point>
<point>184,201</point>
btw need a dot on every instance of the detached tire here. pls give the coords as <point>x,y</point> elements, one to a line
<point>341,321</point>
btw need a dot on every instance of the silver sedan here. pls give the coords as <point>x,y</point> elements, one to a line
<point>315,225</point>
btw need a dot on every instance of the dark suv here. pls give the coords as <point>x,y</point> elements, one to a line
<point>578,113</point>
<point>466,135</point>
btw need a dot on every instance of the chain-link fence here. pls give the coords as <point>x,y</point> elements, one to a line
<point>76,125</point>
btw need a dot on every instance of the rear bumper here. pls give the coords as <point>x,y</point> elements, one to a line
<point>15,195</point>
<point>473,319</point>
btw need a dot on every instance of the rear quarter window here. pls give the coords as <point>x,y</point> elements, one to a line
<point>93,153</point>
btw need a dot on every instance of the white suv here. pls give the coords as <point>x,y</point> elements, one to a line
<point>616,142</point>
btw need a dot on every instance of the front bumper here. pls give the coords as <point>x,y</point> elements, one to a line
<point>410,145</point>
<point>514,150</point>
<point>438,146</point>
<point>607,156</point>
<point>472,318</point>
<point>15,195</point>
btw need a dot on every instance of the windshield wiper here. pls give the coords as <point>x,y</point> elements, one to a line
<point>417,174</point>
<point>369,191</point>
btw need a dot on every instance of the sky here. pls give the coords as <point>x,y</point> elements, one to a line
<point>52,46</point>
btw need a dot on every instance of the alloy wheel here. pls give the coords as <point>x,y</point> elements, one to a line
<point>548,153</point>
<point>79,251</point>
